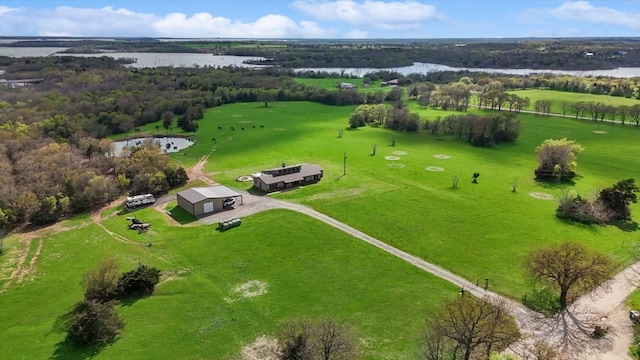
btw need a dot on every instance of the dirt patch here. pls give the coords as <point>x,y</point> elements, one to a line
<point>251,288</point>
<point>599,132</point>
<point>434,168</point>
<point>279,129</point>
<point>244,121</point>
<point>399,153</point>
<point>263,348</point>
<point>244,178</point>
<point>541,196</point>
<point>442,156</point>
<point>391,158</point>
<point>396,166</point>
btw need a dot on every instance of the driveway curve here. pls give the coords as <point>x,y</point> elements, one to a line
<point>569,333</point>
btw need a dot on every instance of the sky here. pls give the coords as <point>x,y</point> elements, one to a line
<point>334,19</point>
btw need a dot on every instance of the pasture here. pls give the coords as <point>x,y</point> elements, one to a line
<point>305,268</point>
<point>478,230</point>
<point>401,195</point>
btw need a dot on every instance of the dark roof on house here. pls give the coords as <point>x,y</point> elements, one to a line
<point>198,194</point>
<point>305,170</point>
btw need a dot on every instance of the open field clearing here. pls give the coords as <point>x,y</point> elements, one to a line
<point>221,291</point>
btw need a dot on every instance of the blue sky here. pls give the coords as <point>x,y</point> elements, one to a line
<point>321,18</point>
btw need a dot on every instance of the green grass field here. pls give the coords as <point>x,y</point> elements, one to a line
<point>557,97</point>
<point>310,270</point>
<point>478,231</point>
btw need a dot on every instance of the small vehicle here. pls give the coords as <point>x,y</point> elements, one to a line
<point>634,315</point>
<point>228,202</point>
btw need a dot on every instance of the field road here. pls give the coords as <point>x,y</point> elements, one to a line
<point>570,332</point>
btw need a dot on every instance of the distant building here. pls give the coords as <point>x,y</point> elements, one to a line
<point>343,86</point>
<point>393,82</point>
<point>589,54</point>
<point>286,177</point>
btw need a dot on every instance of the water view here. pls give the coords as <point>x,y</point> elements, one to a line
<point>423,68</point>
<point>152,60</point>
<point>167,144</point>
<point>18,52</point>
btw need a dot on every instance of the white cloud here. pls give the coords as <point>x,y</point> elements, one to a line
<point>71,21</point>
<point>586,12</point>
<point>373,14</point>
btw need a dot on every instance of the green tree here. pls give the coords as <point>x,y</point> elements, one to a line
<point>101,284</point>
<point>138,282</point>
<point>619,197</point>
<point>557,159</point>
<point>94,323</point>
<point>570,267</point>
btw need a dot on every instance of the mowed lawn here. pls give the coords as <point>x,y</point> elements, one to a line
<point>309,269</point>
<point>558,97</point>
<point>478,231</point>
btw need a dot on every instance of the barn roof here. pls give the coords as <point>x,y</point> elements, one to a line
<point>198,194</point>
<point>305,170</point>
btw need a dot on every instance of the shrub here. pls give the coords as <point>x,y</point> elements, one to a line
<point>138,282</point>
<point>101,284</point>
<point>94,323</point>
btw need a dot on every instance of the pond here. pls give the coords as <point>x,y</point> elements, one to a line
<point>167,144</point>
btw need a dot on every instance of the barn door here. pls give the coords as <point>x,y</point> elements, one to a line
<point>208,207</point>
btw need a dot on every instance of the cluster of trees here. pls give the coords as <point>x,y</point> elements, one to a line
<point>478,130</point>
<point>535,54</point>
<point>599,110</point>
<point>44,180</point>
<point>557,159</point>
<point>321,339</point>
<point>611,204</point>
<point>95,321</point>
<point>454,96</point>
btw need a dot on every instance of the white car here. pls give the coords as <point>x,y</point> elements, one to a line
<point>228,202</point>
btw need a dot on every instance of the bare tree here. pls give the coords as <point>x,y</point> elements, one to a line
<point>474,326</point>
<point>333,340</point>
<point>324,339</point>
<point>570,267</point>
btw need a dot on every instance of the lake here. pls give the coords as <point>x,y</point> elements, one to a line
<point>18,52</point>
<point>423,68</point>
<point>175,144</point>
<point>152,60</point>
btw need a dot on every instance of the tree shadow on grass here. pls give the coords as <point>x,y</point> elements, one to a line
<point>627,226</point>
<point>591,227</point>
<point>65,350</point>
<point>554,184</point>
